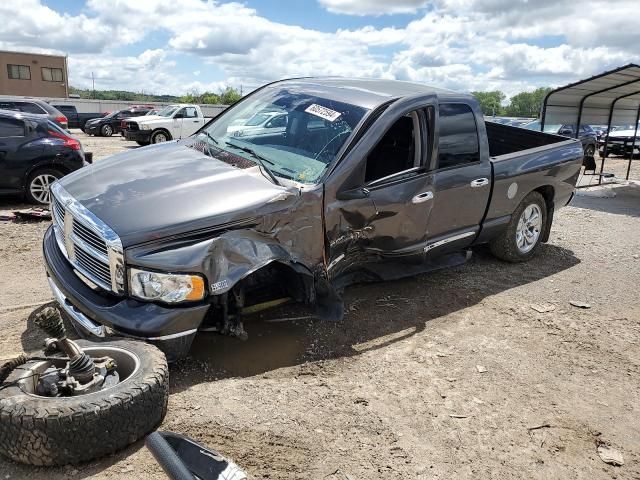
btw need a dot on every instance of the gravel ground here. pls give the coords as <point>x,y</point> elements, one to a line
<point>485,370</point>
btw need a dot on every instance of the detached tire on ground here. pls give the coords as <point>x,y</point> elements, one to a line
<point>41,430</point>
<point>521,239</point>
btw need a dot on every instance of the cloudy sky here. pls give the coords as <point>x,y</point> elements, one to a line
<point>176,46</point>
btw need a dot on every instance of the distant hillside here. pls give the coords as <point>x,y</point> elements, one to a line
<point>225,97</point>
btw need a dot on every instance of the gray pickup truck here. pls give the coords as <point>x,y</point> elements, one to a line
<point>362,180</point>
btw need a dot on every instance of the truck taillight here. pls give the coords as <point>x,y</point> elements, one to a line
<point>61,119</point>
<point>70,142</point>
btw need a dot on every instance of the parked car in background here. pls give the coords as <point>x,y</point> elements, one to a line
<point>373,180</point>
<point>622,140</point>
<point>74,118</point>
<point>123,122</point>
<point>111,123</point>
<point>586,134</point>
<point>35,107</point>
<point>34,153</point>
<point>172,122</point>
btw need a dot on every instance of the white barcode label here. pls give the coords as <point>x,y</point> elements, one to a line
<point>323,112</point>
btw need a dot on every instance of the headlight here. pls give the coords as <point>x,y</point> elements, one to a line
<point>145,127</point>
<point>165,287</point>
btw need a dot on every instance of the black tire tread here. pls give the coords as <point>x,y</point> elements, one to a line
<point>504,245</point>
<point>49,432</point>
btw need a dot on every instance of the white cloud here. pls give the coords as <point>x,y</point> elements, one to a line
<point>459,44</point>
<point>372,7</point>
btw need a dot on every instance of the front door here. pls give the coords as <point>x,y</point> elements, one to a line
<point>378,200</point>
<point>12,169</point>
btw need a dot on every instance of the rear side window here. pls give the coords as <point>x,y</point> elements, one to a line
<point>11,127</point>
<point>458,136</point>
<point>28,107</point>
<point>7,106</point>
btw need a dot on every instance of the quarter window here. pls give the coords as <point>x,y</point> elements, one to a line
<point>52,74</point>
<point>28,107</point>
<point>19,72</point>
<point>458,136</point>
<point>10,127</point>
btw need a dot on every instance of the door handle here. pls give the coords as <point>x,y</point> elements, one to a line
<point>480,182</point>
<point>422,197</point>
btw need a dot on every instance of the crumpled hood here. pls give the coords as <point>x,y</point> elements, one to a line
<point>167,189</point>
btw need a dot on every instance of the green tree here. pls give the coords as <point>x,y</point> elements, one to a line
<point>490,102</point>
<point>527,104</point>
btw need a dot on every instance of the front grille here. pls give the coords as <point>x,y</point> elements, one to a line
<point>132,126</point>
<point>90,237</point>
<point>90,246</point>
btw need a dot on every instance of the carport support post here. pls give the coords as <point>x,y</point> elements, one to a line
<point>633,143</point>
<point>606,141</point>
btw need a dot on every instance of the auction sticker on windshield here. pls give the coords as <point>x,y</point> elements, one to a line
<point>323,112</point>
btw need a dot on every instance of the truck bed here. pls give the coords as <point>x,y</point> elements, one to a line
<point>505,139</point>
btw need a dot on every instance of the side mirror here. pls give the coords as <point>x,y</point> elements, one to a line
<point>355,194</point>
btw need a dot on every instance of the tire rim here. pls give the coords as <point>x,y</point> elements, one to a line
<point>528,229</point>
<point>160,137</point>
<point>108,131</point>
<point>127,363</point>
<point>590,151</point>
<point>39,187</point>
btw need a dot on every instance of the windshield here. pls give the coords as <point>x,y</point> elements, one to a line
<point>112,114</point>
<point>294,134</point>
<point>167,111</point>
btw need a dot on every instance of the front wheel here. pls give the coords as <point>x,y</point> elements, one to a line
<point>52,429</point>
<point>521,239</point>
<point>160,137</point>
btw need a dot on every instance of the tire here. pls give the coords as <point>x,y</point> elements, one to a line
<point>160,136</point>
<point>106,130</point>
<point>38,183</point>
<point>508,246</point>
<point>39,430</point>
<point>142,144</point>
<point>590,150</point>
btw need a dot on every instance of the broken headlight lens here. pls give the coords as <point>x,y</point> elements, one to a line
<point>165,287</point>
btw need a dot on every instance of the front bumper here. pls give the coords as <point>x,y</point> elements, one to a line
<point>92,129</point>
<point>143,136</point>
<point>101,315</point>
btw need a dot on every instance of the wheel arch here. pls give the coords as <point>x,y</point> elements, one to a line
<point>43,166</point>
<point>548,192</point>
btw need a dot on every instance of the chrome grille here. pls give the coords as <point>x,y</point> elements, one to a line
<point>90,237</point>
<point>94,250</point>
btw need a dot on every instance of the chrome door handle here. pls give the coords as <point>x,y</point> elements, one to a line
<point>422,197</point>
<point>480,182</point>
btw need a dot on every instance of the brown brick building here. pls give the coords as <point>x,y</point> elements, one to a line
<point>33,74</point>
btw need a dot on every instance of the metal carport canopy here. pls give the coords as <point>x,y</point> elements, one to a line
<point>611,98</point>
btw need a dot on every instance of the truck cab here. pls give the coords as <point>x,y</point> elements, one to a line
<point>170,123</point>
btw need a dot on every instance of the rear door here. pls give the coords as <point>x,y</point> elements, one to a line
<point>461,178</point>
<point>14,160</point>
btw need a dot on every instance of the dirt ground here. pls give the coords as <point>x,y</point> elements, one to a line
<point>480,371</point>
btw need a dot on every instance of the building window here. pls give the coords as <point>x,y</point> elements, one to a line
<point>19,72</point>
<point>51,74</point>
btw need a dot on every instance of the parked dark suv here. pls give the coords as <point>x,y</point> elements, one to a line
<point>34,152</point>
<point>35,107</point>
<point>110,124</point>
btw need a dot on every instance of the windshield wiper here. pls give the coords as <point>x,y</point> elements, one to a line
<point>260,160</point>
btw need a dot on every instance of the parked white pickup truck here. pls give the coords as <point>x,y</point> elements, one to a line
<point>172,122</point>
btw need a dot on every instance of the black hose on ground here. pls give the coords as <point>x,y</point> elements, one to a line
<point>167,457</point>
<point>11,365</point>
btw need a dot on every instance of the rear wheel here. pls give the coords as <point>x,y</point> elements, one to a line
<point>106,130</point>
<point>38,185</point>
<point>57,430</point>
<point>521,239</point>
